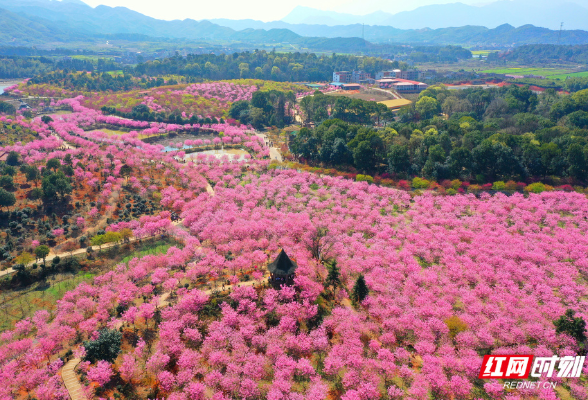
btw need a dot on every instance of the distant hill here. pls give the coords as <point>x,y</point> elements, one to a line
<point>28,22</point>
<point>79,17</point>
<point>542,13</point>
<point>271,35</point>
<point>40,22</point>
<point>16,30</point>
<point>531,53</point>
<point>504,35</point>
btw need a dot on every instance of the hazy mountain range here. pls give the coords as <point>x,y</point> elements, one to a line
<point>542,13</point>
<point>29,22</point>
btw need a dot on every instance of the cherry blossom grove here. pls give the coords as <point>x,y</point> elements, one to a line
<point>450,278</point>
<point>505,266</point>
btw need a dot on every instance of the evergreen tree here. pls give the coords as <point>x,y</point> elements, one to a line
<point>106,347</point>
<point>7,199</point>
<point>360,290</point>
<point>333,278</point>
<point>575,327</point>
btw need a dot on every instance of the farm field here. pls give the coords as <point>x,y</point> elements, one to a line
<point>356,94</point>
<point>483,52</point>
<point>91,58</point>
<point>549,73</point>
<point>582,74</point>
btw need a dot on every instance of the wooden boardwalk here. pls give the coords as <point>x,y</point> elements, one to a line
<point>72,383</point>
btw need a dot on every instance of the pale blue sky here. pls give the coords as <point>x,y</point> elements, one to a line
<point>264,10</point>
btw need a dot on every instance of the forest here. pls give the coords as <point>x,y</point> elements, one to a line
<point>21,67</point>
<point>264,65</point>
<point>509,133</point>
<point>282,67</point>
<point>548,53</point>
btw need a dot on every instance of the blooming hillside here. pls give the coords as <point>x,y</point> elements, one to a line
<point>209,99</point>
<point>396,295</point>
<point>449,278</point>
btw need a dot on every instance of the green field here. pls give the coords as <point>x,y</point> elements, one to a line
<point>483,52</point>
<point>22,304</point>
<point>92,58</point>
<point>111,132</point>
<point>527,71</point>
<point>582,74</point>
<point>148,249</point>
<point>550,73</point>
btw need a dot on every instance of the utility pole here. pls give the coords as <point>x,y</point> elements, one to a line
<point>560,29</point>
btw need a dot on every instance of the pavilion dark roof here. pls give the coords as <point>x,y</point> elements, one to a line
<point>282,265</point>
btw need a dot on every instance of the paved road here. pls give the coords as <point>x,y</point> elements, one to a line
<point>275,154</point>
<point>274,151</point>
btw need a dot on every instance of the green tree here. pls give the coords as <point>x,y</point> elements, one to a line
<point>460,162</point>
<point>98,240</point>
<point>53,164</point>
<point>106,347</point>
<point>126,171</point>
<point>32,174</point>
<point>577,161</point>
<point>360,290</point>
<point>260,99</point>
<point>12,158</point>
<point>258,117</point>
<point>364,156</point>
<point>494,159</point>
<point>551,159</point>
<point>24,258</point>
<point>243,70</point>
<point>434,167</point>
<point>46,119</point>
<point>340,153</point>
<point>42,252</point>
<point>6,108</point>
<point>112,237</point>
<point>398,159</point>
<point>573,326</point>
<point>56,186</point>
<point>333,278</point>
<point>36,193</point>
<point>7,199</point>
<point>6,182</point>
<point>237,108</point>
<point>427,107</point>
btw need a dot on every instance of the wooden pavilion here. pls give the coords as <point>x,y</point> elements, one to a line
<point>282,270</point>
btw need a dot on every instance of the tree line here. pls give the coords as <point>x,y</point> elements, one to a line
<point>261,64</point>
<point>266,108</point>
<point>141,112</point>
<point>42,66</point>
<point>481,135</point>
<point>281,67</point>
